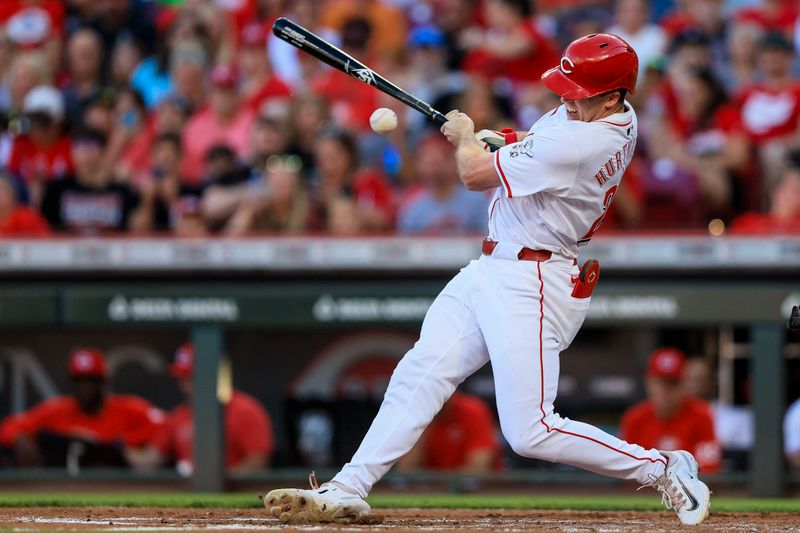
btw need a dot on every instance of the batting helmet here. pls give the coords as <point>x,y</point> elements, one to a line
<point>593,65</point>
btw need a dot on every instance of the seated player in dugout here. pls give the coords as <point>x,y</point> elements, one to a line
<point>670,418</point>
<point>248,428</point>
<point>462,438</point>
<point>90,427</point>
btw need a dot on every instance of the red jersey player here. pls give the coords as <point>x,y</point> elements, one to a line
<point>463,436</point>
<point>107,426</point>
<point>248,429</point>
<point>670,419</point>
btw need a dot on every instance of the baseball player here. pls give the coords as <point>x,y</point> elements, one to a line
<point>523,301</point>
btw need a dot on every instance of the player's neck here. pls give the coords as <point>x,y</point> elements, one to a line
<point>619,108</point>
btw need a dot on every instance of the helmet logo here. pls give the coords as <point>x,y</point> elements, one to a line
<point>569,63</point>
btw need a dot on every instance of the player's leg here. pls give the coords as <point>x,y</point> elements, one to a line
<point>528,316</point>
<point>525,334</point>
<point>450,348</point>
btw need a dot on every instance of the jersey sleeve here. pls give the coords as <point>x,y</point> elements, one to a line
<point>40,417</point>
<point>545,161</point>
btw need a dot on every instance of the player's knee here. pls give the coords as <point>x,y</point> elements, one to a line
<point>524,441</point>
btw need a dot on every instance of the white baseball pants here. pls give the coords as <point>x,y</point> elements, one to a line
<point>519,315</point>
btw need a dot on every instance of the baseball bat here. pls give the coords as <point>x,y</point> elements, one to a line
<point>313,44</point>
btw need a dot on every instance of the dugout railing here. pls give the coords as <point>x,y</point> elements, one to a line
<point>211,287</point>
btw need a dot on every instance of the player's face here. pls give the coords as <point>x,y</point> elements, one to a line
<point>89,393</point>
<point>665,394</point>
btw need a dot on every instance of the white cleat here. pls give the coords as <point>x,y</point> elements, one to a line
<point>681,490</point>
<point>326,503</point>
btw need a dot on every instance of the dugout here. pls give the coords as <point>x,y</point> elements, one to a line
<point>220,292</point>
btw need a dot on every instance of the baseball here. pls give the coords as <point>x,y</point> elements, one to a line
<point>383,120</point>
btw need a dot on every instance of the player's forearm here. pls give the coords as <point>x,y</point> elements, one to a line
<point>475,166</point>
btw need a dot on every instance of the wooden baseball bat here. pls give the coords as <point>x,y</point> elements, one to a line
<point>313,44</point>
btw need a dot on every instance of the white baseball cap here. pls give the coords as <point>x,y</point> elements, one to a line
<point>44,99</point>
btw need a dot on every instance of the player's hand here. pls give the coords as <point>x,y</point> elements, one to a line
<point>458,128</point>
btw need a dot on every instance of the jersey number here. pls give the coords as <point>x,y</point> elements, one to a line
<point>597,223</point>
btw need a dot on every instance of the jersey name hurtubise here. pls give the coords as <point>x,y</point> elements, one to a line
<point>559,181</point>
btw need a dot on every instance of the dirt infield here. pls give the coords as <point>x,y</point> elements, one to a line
<point>397,520</point>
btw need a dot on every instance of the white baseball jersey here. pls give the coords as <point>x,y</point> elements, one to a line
<point>558,182</point>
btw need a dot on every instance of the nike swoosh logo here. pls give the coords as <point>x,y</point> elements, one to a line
<point>692,499</point>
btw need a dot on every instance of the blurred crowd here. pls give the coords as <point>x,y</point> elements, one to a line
<point>188,117</point>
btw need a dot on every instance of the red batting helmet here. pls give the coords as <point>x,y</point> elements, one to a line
<point>593,65</point>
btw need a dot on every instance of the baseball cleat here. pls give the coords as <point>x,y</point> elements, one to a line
<point>681,490</point>
<point>326,503</point>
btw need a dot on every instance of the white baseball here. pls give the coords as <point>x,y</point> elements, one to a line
<point>383,120</point>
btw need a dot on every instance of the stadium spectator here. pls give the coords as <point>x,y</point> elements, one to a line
<point>308,114</point>
<point>784,213</point>
<point>188,63</point>
<point>351,101</point>
<point>163,187</point>
<point>89,202</point>
<point>462,437</point>
<point>115,18</point>
<point>275,202</point>
<point>485,108</point>
<point>92,426</point>
<point>171,115</point>
<point>741,69</point>
<point>699,147</point>
<point>99,113</point>
<point>704,18</point>
<point>669,419</point>
<point>18,220</point>
<point>270,136</point>
<point>442,204</point>
<point>26,71</point>
<point>511,46</point>
<point>349,200</point>
<point>248,428</point>
<point>151,76</point>
<point>427,75</point>
<point>127,155</point>
<point>261,89</point>
<point>770,110</point>
<point>791,434</point>
<point>388,36</point>
<point>631,19</point>
<point>84,54</point>
<point>225,185</point>
<point>125,57</point>
<point>42,154</point>
<point>225,120</point>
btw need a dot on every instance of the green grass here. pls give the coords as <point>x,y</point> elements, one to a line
<point>450,501</point>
